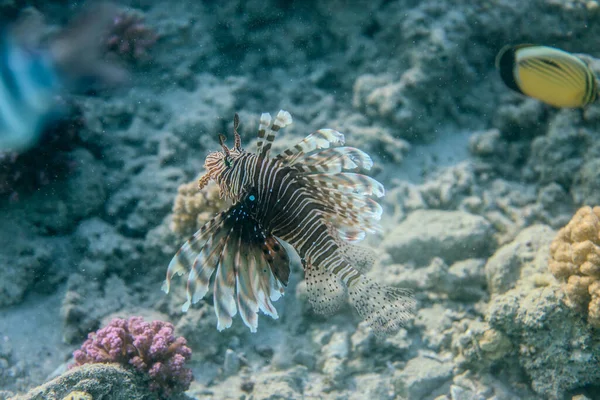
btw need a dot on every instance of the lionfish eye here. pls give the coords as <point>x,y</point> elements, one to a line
<point>228,162</point>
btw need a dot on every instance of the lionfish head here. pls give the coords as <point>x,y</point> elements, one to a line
<point>217,162</point>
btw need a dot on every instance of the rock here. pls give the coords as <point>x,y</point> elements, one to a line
<point>94,379</point>
<point>528,252</point>
<point>557,349</point>
<point>232,363</point>
<point>451,235</point>
<point>422,376</point>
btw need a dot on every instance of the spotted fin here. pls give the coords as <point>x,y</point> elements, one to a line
<point>326,294</point>
<point>384,308</point>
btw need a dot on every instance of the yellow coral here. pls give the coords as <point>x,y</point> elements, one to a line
<point>193,207</point>
<point>575,261</point>
<point>78,395</point>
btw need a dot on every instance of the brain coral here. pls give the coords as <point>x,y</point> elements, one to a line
<point>575,261</point>
<point>193,208</point>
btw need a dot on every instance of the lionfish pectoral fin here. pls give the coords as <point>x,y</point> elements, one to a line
<point>326,292</point>
<point>225,281</point>
<point>196,258</point>
<point>252,265</point>
<point>385,309</point>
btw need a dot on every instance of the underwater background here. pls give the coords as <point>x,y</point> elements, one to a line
<point>481,185</point>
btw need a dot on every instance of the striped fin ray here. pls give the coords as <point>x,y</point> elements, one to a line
<point>334,160</point>
<point>360,257</point>
<point>225,281</point>
<point>320,139</point>
<point>354,203</point>
<point>353,209</point>
<point>252,271</point>
<point>266,287</point>
<point>264,128</point>
<point>348,182</point>
<point>267,132</point>
<point>250,267</point>
<point>184,259</point>
<point>203,268</point>
<point>246,296</point>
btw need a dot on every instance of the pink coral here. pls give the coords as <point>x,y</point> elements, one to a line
<point>150,347</point>
<point>130,38</point>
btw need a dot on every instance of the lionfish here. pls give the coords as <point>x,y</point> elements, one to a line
<point>305,197</point>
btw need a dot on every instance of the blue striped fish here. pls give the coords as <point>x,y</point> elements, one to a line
<point>306,196</point>
<point>33,75</point>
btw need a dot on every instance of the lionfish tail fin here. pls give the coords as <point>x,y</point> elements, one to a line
<point>385,309</point>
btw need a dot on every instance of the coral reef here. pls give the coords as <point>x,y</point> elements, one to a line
<point>575,262</point>
<point>193,208</point>
<point>150,347</point>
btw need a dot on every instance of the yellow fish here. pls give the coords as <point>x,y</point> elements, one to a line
<point>550,75</point>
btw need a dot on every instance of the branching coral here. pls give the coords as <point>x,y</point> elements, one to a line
<point>575,261</point>
<point>150,347</point>
<point>193,208</point>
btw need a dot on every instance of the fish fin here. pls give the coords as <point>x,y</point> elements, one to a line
<point>250,267</point>
<point>362,258</point>
<point>185,259</point>
<point>348,182</point>
<point>277,258</point>
<point>246,294</point>
<point>333,161</point>
<point>321,139</point>
<point>385,309</point>
<point>225,281</point>
<point>326,293</point>
<point>264,129</point>
<point>353,214</point>
<point>268,132</point>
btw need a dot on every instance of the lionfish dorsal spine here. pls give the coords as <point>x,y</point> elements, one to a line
<point>267,132</point>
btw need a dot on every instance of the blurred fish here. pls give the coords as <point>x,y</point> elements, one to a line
<point>34,72</point>
<point>548,74</point>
